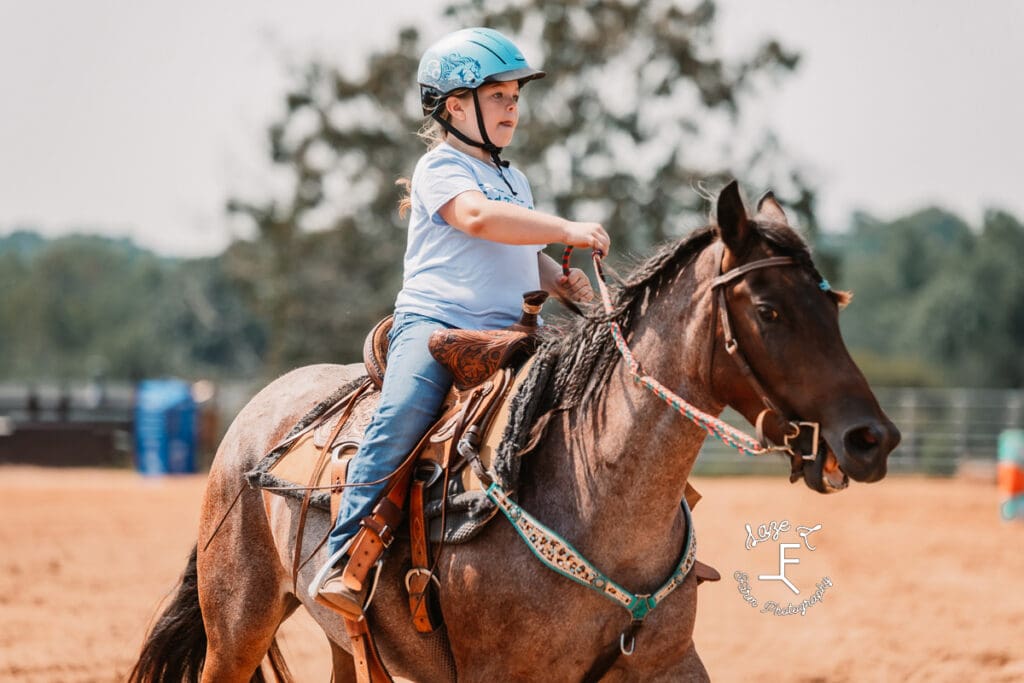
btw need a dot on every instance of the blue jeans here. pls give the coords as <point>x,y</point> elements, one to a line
<point>415,386</point>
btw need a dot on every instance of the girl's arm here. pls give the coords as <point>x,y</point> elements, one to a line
<point>476,215</point>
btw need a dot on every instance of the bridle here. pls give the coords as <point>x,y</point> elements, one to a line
<point>800,438</point>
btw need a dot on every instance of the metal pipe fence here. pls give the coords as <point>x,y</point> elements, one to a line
<point>941,428</point>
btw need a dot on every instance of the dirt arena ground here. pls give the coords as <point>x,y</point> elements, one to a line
<point>926,580</point>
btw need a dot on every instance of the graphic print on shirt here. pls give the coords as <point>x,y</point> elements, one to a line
<point>501,194</point>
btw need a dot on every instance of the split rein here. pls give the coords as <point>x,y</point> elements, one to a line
<point>729,435</point>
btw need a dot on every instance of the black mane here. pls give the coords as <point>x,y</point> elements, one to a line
<point>576,358</point>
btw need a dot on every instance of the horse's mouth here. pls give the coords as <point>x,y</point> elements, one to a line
<point>824,474</point>
<point>832,474</point>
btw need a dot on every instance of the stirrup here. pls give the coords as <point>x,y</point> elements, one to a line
<point>321,576</point>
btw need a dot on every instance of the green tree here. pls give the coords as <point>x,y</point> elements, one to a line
<point>938,302</point>
<point>970,321</point>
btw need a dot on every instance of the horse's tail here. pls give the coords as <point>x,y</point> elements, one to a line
<point>175,648</point>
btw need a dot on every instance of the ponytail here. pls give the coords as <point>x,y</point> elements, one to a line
<point>433,134</point>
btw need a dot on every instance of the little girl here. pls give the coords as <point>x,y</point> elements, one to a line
<point>474,247</point>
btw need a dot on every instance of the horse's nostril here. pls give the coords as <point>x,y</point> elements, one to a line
<point>861,440</point>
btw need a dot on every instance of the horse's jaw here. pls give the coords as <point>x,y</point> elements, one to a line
<point>824,474</point>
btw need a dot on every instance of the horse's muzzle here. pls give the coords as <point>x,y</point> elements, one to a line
<point>865,449</point>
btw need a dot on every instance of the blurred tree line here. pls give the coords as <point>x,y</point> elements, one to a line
<point>86,306</point>
<point>613,133</point>
<point>936,302</point>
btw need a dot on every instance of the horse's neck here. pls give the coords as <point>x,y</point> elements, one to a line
<point>620,462</point>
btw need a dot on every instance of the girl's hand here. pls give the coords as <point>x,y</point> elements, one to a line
<point>576,286</point>
<point>587,236</point>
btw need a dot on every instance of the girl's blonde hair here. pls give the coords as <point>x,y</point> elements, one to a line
<point>433,134</point>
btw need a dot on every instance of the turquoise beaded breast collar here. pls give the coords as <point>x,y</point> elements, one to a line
<point>557,554</point>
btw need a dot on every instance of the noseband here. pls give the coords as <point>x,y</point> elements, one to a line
<point>800,438</point>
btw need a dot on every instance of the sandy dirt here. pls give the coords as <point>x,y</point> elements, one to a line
<point>925,579</point>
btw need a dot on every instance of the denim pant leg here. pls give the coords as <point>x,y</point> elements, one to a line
<point>415,386</point>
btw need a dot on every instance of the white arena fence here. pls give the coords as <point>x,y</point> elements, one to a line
<point>942,428</point>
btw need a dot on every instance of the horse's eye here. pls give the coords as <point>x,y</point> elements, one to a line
<point>767,313</point>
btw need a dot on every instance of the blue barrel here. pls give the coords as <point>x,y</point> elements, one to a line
<point>1010,470</point>
<point>165,427</point>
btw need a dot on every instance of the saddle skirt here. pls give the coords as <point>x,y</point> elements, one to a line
<point>317,452</point>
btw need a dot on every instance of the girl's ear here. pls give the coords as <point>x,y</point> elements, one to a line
<point>455,108</point>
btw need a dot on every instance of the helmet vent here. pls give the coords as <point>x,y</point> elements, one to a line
<point>489,50</point>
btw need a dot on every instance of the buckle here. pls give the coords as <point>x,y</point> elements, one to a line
<point>380,529</point>
<point>469,443</point>
<point>803,440</point>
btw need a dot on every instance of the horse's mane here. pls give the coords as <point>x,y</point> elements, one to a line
<point>575,360</point>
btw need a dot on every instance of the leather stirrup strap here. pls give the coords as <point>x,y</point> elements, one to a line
<point>369,667</point>
<point>318,470</point>
<point>377,530</point>
<point>418,580</point>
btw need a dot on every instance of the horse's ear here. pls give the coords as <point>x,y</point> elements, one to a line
<point>733,224</point>
<point>770,210</point>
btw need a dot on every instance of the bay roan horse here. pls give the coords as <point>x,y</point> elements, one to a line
<point>606,469</point>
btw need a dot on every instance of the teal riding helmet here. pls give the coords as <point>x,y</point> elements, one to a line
<point>465,60</point>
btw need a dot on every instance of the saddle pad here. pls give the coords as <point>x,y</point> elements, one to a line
<point>287,470</point>
<point>274,472</point>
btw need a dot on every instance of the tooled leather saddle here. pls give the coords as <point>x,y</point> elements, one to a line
<point>471,355</point>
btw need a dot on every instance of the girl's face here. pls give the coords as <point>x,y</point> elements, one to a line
<point>499,104</point>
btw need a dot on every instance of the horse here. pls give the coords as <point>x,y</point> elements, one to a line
<point>605,465</point>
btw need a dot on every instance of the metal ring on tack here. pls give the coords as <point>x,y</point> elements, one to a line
<point>417,571</point>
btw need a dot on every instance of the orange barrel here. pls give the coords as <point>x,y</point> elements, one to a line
<point>1010,470</point>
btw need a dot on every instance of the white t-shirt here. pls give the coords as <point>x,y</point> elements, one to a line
<point>464,281</point>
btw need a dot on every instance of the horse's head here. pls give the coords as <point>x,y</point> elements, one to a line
<point>782,323</point>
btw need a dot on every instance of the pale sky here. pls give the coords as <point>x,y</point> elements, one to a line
<point>140,119</point>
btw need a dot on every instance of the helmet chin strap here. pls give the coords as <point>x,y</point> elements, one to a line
<point>486,145</point>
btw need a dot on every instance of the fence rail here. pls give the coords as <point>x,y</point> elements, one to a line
<point>941,427</point>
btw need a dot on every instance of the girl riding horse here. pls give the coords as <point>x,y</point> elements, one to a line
<point>474,247</point>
